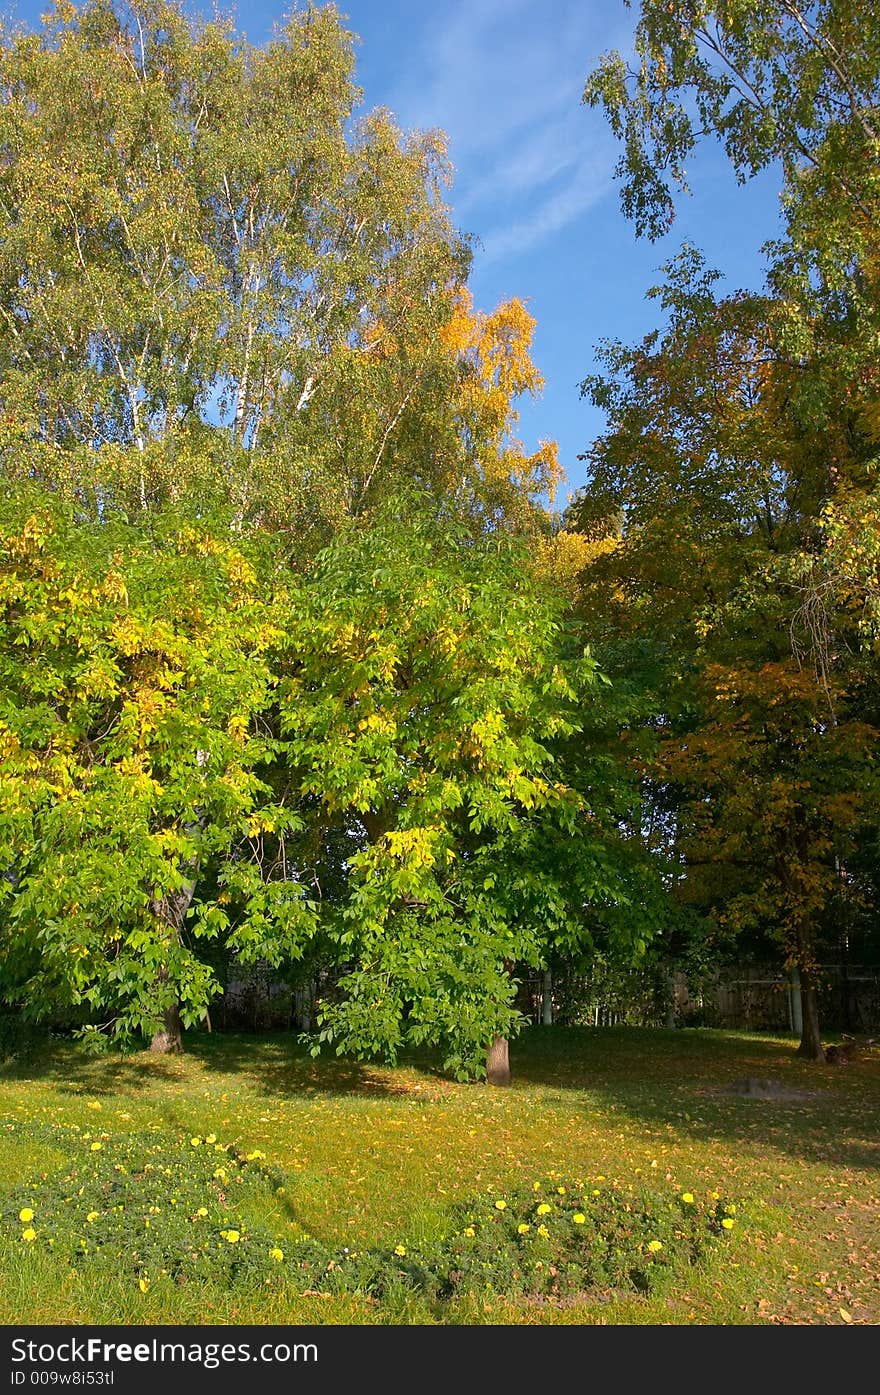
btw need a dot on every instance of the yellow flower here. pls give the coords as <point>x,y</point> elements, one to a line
<point>232,1237</point>
<point>195,1142</point>
<point>400,1250</point>
<point>596,1192</point>
<point>93,1104</point>
<point>688,1197</point>
<point>579,1218</point>
<point>654,1246</point>
<point>544,1209</point>
<point>202,1211</point>
<point>500,1205</point>
<point>25,1214</point>
<point>542,1230</point>
<point>523,1228</point>
<point>211,1138</point>
<point>536,1186</point>
<point>600,1178</point>
<point>727,1223</point>
<point>469,1230</point>
<point>561,1191</point>
<point>731,1210</point>
<point>220,1174</point>
<point>96,1147</point>
<point>29,1234</point>
<point>143,1285</point>
<point>93,1215</point>
<point>276,1254</point>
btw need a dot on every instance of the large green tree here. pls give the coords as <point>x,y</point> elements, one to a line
<point>742,442</point>
<point>709,488</point>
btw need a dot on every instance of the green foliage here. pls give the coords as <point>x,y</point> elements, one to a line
<point>431,692</point>
<point>773,81</point>
<point>758,748</point>
<point>134,668</point>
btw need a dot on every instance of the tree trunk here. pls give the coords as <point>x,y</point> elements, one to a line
<point>811,1040</point>
<point>170,1039</point>
<point>670,1000</point>
<point>796,1002</point>
<point>498,1062</point>
<point>547,999</point>
<point>172,910</point>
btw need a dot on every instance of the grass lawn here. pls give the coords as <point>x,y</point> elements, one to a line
<point>376,1156</point>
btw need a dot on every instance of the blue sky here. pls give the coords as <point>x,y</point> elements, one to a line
<point>533,174</point>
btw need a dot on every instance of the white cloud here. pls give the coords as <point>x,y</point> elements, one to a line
<point>548,215</point>
<point>504,78</point>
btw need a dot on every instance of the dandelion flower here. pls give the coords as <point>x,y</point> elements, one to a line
<point>469,1231</point>
<point>95,1147</point>
<point>561,1191</point>
<point>276,1254</point>
<point>93,1215</point>
<point>688,1197</point>
<point>210,1138</point>
<point>579,1218</point>
<point>536,1186</point>
<point>29,1234</point>
<point>195,1142</point>
<point>654,1246</point>
<point>25,1214</point>
<point>544,1209</point>
<point>231,1237</point>
<point>500,1205</point>
<point>202,1211</point>
<point>727,1223</point>
<point>143,1285</point>
<point>400,1250</point>
<point>542,1230</point>
<point>523,1228</point>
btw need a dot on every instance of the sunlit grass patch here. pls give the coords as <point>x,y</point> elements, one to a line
<point>374,1157</point>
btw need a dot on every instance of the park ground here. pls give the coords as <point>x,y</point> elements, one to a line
<point>377,1155</point>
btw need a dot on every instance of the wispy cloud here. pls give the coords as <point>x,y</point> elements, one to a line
<point>504,78</point>
<point>549,214</point>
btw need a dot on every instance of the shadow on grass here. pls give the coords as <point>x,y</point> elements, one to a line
<point>683,1079</point>
<point>275,1065</point>
<point>679,1080</point>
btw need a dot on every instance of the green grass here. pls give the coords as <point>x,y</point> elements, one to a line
<point>376,1156</point>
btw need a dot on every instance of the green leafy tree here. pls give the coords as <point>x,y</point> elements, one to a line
<point>134,674</point>
<point>432,689</point>
<point>710,489</point>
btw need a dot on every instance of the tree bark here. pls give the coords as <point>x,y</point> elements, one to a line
<point>670,1000</point>
<point>498,1062</point>
<point>172,910</point>
<point>811,1040</point>
<point>169,1041</point>
<point>547,999</point>
<point>796,1002</point>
